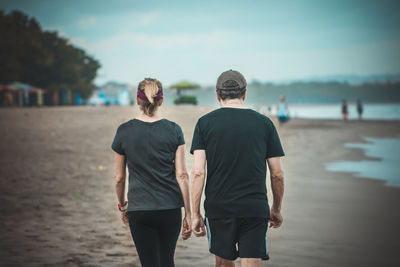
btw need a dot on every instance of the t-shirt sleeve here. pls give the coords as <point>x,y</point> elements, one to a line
<point>198,140</point>
<point>274,146</point>
<point>181,138</point>
<point>117,143</point>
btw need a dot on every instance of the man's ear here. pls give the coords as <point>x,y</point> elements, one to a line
<point>245,94</point>
<point>218,97</point>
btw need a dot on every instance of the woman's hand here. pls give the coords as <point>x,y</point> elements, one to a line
<point>186,229</point>
<point>124,215</point>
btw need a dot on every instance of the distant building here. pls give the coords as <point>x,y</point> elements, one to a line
<point>24,95</point>
<point>112,93</point>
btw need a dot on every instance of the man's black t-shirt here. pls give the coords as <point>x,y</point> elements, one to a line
<point>150,149</point>
<point>237,143</point>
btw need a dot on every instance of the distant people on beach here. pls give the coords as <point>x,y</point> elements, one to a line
<point>283,111</point>
<point>360,109</point>
<point>153,148</point>
<point>235,144</point>
<point>345,110</point>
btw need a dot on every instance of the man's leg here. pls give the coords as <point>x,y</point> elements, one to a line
<point>252,241</point>
<point>250,262</point>
<point>222,238</point>
<point>220,262</point>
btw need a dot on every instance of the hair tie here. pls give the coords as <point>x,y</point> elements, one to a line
<point>142,95</point>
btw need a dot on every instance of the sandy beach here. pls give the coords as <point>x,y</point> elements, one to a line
<point>58,202</point>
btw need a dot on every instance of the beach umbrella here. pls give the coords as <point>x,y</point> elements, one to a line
<point>184,86</point>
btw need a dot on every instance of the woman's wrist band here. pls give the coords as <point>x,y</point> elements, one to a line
<point>123,207</point>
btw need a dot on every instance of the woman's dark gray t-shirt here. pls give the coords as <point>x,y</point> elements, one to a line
<point>150,149</point>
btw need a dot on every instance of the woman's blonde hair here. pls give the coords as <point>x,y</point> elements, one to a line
<point>151,88</point>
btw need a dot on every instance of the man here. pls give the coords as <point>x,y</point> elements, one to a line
<point>236,142</point>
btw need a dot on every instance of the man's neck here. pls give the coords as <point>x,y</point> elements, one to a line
<point>232,103</point>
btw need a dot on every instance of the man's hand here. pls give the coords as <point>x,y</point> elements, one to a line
<point>276,218</point>
<point>277,185</point>
<point>186,228</point>
<point>124,215</point>
<point>198,226</point>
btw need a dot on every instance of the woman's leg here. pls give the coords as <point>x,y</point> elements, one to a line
<point>169,232</point>
<point>146,237</point>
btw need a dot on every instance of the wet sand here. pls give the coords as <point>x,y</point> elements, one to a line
<point>58,204</point>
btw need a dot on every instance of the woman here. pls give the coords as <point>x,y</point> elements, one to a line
<point>283,112</point>
<point>153,149</point>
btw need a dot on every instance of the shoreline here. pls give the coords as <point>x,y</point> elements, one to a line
<point>50,155</point>
<point>259,108</point>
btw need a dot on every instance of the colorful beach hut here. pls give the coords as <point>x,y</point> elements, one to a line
<point>29,95</point>
<point>23,93</point>
<point>8,95</point>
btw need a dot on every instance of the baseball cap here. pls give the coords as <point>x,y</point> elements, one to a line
<point>231,80</point>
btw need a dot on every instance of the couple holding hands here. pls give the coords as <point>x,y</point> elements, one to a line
<point>234,143</point>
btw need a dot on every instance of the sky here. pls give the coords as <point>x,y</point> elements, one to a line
<point>267,40</point>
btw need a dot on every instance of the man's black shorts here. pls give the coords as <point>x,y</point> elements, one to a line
<point>230,238</point>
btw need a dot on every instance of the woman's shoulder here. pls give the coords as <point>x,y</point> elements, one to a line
<point>171,123</point>
<point>124,125</point>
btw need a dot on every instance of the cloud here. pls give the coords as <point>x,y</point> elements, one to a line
<point>87,21</point>
<point>157,42</point>
<point>137,18</point>
<point>146,18</point>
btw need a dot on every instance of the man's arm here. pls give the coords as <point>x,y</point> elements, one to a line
<point>182,177</point>
<point>277,184</point>
<point>198,177</point>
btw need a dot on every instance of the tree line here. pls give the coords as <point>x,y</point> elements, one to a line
<point>41,58</point>
<point>328,92</point>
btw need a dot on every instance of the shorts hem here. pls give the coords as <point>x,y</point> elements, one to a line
<point>256,257</point>
<point>217,254</point>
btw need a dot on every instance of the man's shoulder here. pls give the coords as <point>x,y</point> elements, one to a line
<point>260,117</point>
<point>268,121</point>
<point>211,113</point>
<point>257,114</point>
<point>208,116</point>
<point>250,112</point>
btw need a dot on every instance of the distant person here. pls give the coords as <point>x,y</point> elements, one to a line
<point>345,110</point>
<point>360,109</point>
<point>283,111</point>
<point>153,149</point>
<point>236,143</point>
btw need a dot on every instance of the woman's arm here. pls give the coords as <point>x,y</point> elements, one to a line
<point>119,178</point>
<point>182,177</point>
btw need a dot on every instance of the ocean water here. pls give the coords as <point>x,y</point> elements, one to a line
<point>375,111</point>
<point>333,111</point>
<point>383,165</point>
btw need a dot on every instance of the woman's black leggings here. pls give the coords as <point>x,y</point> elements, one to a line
<point>155,233</point>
